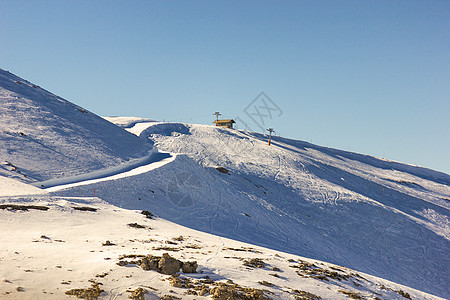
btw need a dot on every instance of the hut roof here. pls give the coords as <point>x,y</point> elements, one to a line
<point>225,121</point>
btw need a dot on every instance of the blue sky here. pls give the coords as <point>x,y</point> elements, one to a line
<point>367,76</point>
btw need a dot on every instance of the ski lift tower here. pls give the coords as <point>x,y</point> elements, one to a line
<point>270,130</point>
<point>217,116</point>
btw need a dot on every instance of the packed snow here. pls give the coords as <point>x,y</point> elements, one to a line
<point>127,122</point>
<point>134,167</point>
<point>11,187</point>
<point>369,214</point>
<point>317,222</point>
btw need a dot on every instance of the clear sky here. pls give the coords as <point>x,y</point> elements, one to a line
<point>367,76</point>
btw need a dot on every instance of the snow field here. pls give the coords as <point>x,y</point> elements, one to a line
<point>229,194</point>
<point>297,199</point>
<point>46,137</point>
<point>46,253</point>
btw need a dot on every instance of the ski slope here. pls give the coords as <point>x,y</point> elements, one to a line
<point>135,167</point>
<point>11,187</point>
<point>43,136</point>
<point>380,217</point>
<point>45,253</point>
<point>224,187</point>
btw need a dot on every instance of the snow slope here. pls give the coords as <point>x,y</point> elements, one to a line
<point>376,216</point>
<point>43,136</point>
<point>44,253</point>
<point>133,168</point>
<point>383,218</point>
<point>127,122</point>
<point>11,187</point>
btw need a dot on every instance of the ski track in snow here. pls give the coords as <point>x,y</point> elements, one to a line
<point>307,172</point>
<point>125,170</point>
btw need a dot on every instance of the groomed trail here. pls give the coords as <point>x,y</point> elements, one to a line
<point>384,218</point>
<point>135,167</point>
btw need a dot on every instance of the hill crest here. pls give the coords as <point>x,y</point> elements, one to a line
<point>43,136</point>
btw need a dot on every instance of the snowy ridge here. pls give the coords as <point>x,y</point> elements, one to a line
<point>127,122</point>
<point>43,136</point>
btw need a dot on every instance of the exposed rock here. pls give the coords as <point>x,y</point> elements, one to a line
<point>255,263</point>
<point>404,294</point>
<point>206,280</point>
<point>84,208</point>
<point>266,283</point>
<point>136,225</point>
<point>203,292</point>
<point>175,281</point>
<point>148,214</point>
<point>307,269</point>
<point>90,293</point>
<point>123,263</point>
<point>169,297</point>
<point>165,264</point>
<point>226,291</point>
<point>222,170</point>
<point>14,207</point>
<point>166,248</point>
<point>169,265</point>
<point>351,294</point>
<point>303,295</point>
<point>179,239</point>
<point>178,282</point>
<point>108,243</point>
<point>138,294</point>
<point>150,263</point>
<point>190,267</point>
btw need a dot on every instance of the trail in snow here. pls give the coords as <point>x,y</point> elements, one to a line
<point>133,168</point>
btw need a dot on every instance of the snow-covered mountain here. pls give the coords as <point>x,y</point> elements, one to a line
<point>43,136</point>
<point>305,210</point>
<point>381,217</point>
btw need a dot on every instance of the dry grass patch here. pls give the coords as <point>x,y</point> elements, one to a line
<point>255,263</point>
<point>91,293</point>
<point>137,226</point>
<point>352,295</point>
<point>303,295</point>
<point>137,294</point>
